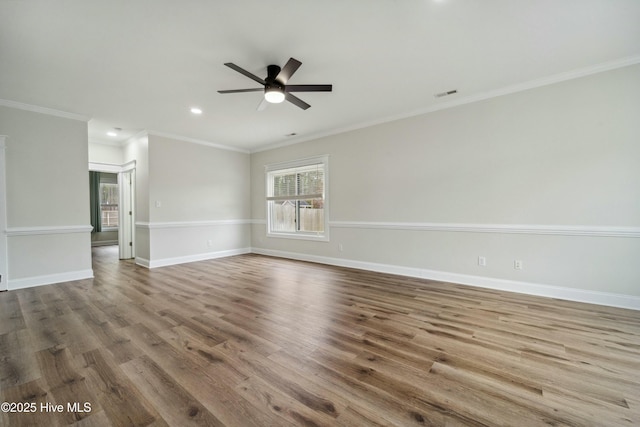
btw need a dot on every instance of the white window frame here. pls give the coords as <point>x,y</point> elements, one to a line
<point>111,228</point>
<point>300,163</point>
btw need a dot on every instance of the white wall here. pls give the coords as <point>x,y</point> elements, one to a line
<point>47,198</point>
<point>543,176</point>
<point>137,149</point>
<point>198,201</point>
<point>100,152</point>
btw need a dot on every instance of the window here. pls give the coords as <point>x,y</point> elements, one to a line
<point>109,201</point>
<point>296,199</point>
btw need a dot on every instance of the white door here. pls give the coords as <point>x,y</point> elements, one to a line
<point>3,217</point>
<point>125,231</point>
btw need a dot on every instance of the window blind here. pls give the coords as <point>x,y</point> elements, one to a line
<point>299,183</point>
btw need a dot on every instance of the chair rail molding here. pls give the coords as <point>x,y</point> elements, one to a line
<point>189,224</point>
<point>46,230</point>
<point>560,230</point>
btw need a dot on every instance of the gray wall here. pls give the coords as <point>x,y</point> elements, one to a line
<point>198,201</point>
<point>548,176</point>
<point>524,172</point>
<point>192,200</point>
<point>47,197</point>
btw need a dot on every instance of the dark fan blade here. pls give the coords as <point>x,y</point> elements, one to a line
<point>297,101</point>
<point>287,71</point>
<point>308,88</point>
<point>245,72</point>
<point>258,89</point>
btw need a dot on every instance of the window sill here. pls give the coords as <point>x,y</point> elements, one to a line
<point>300,236</point>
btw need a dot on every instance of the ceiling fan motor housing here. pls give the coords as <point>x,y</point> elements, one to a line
<point>270,80</point>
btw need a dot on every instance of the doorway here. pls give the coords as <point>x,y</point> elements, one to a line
<point>120,209</point>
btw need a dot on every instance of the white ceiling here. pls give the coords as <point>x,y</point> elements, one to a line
<point>140,65</point>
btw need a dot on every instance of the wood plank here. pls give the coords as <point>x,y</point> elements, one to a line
<point>32,393</point>
<point>251,340</point>
<point>119,397</point>
<point>214,392</point>
<point>65,382</point>
<point>175,404</point>
<point>18,363</point>
<point>11,318</point>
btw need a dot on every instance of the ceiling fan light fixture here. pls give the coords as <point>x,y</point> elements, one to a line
<point>276,87</point>
<point>274,95</point>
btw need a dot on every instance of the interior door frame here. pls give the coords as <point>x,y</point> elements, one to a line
<point>126,213</point>
<point>4,250</point>
<point>126,249</point>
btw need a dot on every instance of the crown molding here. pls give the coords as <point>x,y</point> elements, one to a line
<point>43,110</point>
<point>197,141</point>
<point>520,87</point>
<point>533,84</point>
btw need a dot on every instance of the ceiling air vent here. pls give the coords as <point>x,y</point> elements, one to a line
<point>447,93</point>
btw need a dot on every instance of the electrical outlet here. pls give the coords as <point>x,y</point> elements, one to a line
<point>517,264</point>
<point>482,261</point>
<point>340,247</point>
<point>209,243</point>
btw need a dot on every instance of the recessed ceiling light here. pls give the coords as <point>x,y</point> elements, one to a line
<point>112,134</point>
<point>196,110</point>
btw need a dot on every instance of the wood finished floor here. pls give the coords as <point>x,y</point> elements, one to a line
<point>257,341</point>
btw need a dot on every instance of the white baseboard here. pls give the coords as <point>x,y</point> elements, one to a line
<point>550,291</point>
<point>190,258</point>
<point>142,262</point>
<point>49,279</point>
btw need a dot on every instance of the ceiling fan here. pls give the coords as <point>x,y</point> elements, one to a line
<point>275,84</point>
